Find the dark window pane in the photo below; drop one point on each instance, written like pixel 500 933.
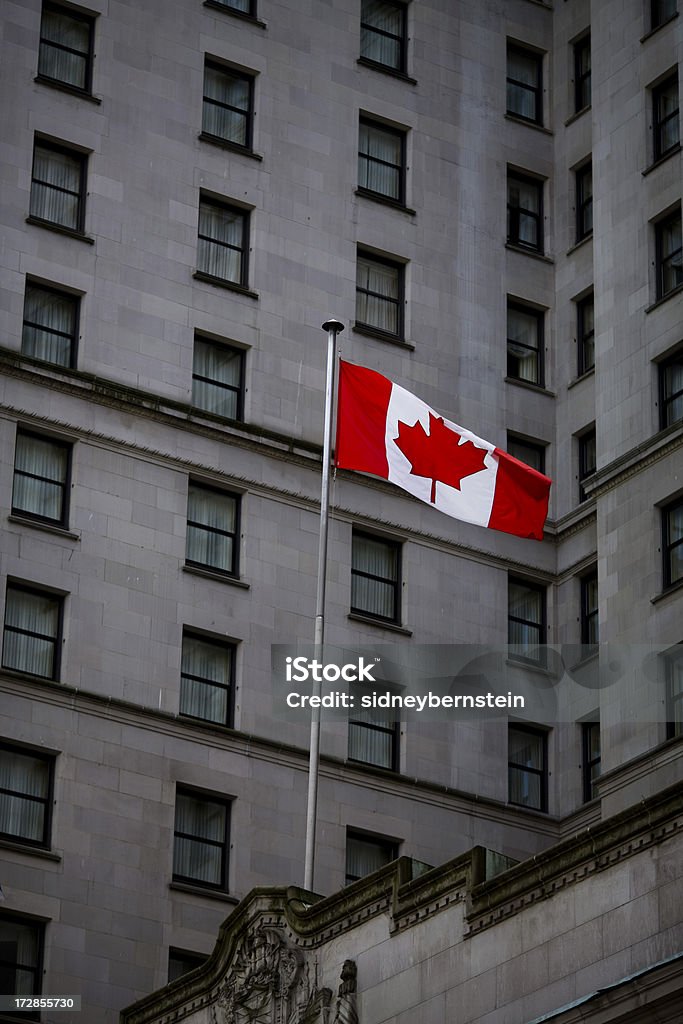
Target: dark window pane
pixel 217 378
pixel 374 577
pixel 383 33
pixel 40 475
pixel 56 186
pixel 524 95
pixel 32 623
pixel 65 53
pixel 220 249
pixel 379 295
pixel 212 528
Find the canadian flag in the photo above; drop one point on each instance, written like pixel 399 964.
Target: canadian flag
pixel 387 431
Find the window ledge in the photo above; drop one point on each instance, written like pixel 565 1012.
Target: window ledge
pixel 535 255
pixel 665 298
pixel 581 242
pixel 530 124
pixel 34 851
pixel 377 197
pixel 539 389
pixel 368 620
pixel 581 376
pixel 234 147
pixel 220 282
pixel 662 159
pixel 375 332
pixel 216 6
pixel 386 69
pixel 215 574
pixel 653 31
pixel 54 83
pixel 576 115
pixel 530 666
pixel 675 588
pixel 201 890
pixel 61 531
pixel 534 811
pixel 60 229
pixel 15 673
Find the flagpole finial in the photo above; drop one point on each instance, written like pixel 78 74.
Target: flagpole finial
pixel 333 325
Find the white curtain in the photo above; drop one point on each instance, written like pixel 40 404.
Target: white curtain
pixel 19 947
pixel 673 385
pixel 363 857
pixel 27 614
pixel 377 295
pixel 379 560
pixel 672 262
pixel 199 858
pixel 39 474
pixel 525 750
pixel 60 64
pixel 49 325
pixel 372 746
pixel 23 775
pixel 237 5
pixel 523 345
pixel 376 149
pixel 223 368
pixel 523 70
pixel 226 91
pixel 208 512
pixel 525 604
pixel 204 663
pixel 221 229
pixel 374 45
pixel 56 185
pixel 676 537
pixel 525 199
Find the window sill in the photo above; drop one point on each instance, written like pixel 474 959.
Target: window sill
pixel 386 69
pixel 534 253
pixel 528 810
pixel 61 531
pixel 201 890
pixel 60 230
pixel 662 159
pixel 653 31
pixel 73 90
pixel 375 332
pixel 675 588
pixel 664 298
pixel 581 376
pixel 215 6
pixel 539 389
pixel 529 666
pixel 581 242
pixel 15 673
pixel 377 197
pixel 368 620
pixel 220 282
pixel 234 147
pixel 34 851
pixel 215 574
pixel 577 114
pixel 529 124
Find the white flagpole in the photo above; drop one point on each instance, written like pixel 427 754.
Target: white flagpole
pixel 333 328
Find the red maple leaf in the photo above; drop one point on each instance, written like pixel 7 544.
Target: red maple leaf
pixel 438 454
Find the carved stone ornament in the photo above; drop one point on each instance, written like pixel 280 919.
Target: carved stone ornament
pixel 347 1008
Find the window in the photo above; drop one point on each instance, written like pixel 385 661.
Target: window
pixel 528 452
pixel 585 329
pixel 21 958
pixel 33 623
pixel 587 460
pixel 528 767
pixel 662 11
pixel 671 390
pixel 665 125
pixel 218 378
pixel 672 528
pixel 50 325
pixel 200 839
pixel 222 247
pixel 25 795
pixel 383 33
pixel 526 620
pixel 582 74
pixel 525 212
pixel 41 475
pixel 584 202
pixel 212 529
pixel 381 160
pixel 58 186
pixel 525 344
pixel 375 576
pixel 590 736
pixel 373 735
pixel 66 47
pixel 247 7
pixel 674 695
pixel 206 680
pixel 365 854
pixel 228 105
pixel 590 625
pixel 668 254
pixel 524 84
pixel 180 962
pixel 379 295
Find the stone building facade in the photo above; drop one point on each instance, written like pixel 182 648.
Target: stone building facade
pixel 488 197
